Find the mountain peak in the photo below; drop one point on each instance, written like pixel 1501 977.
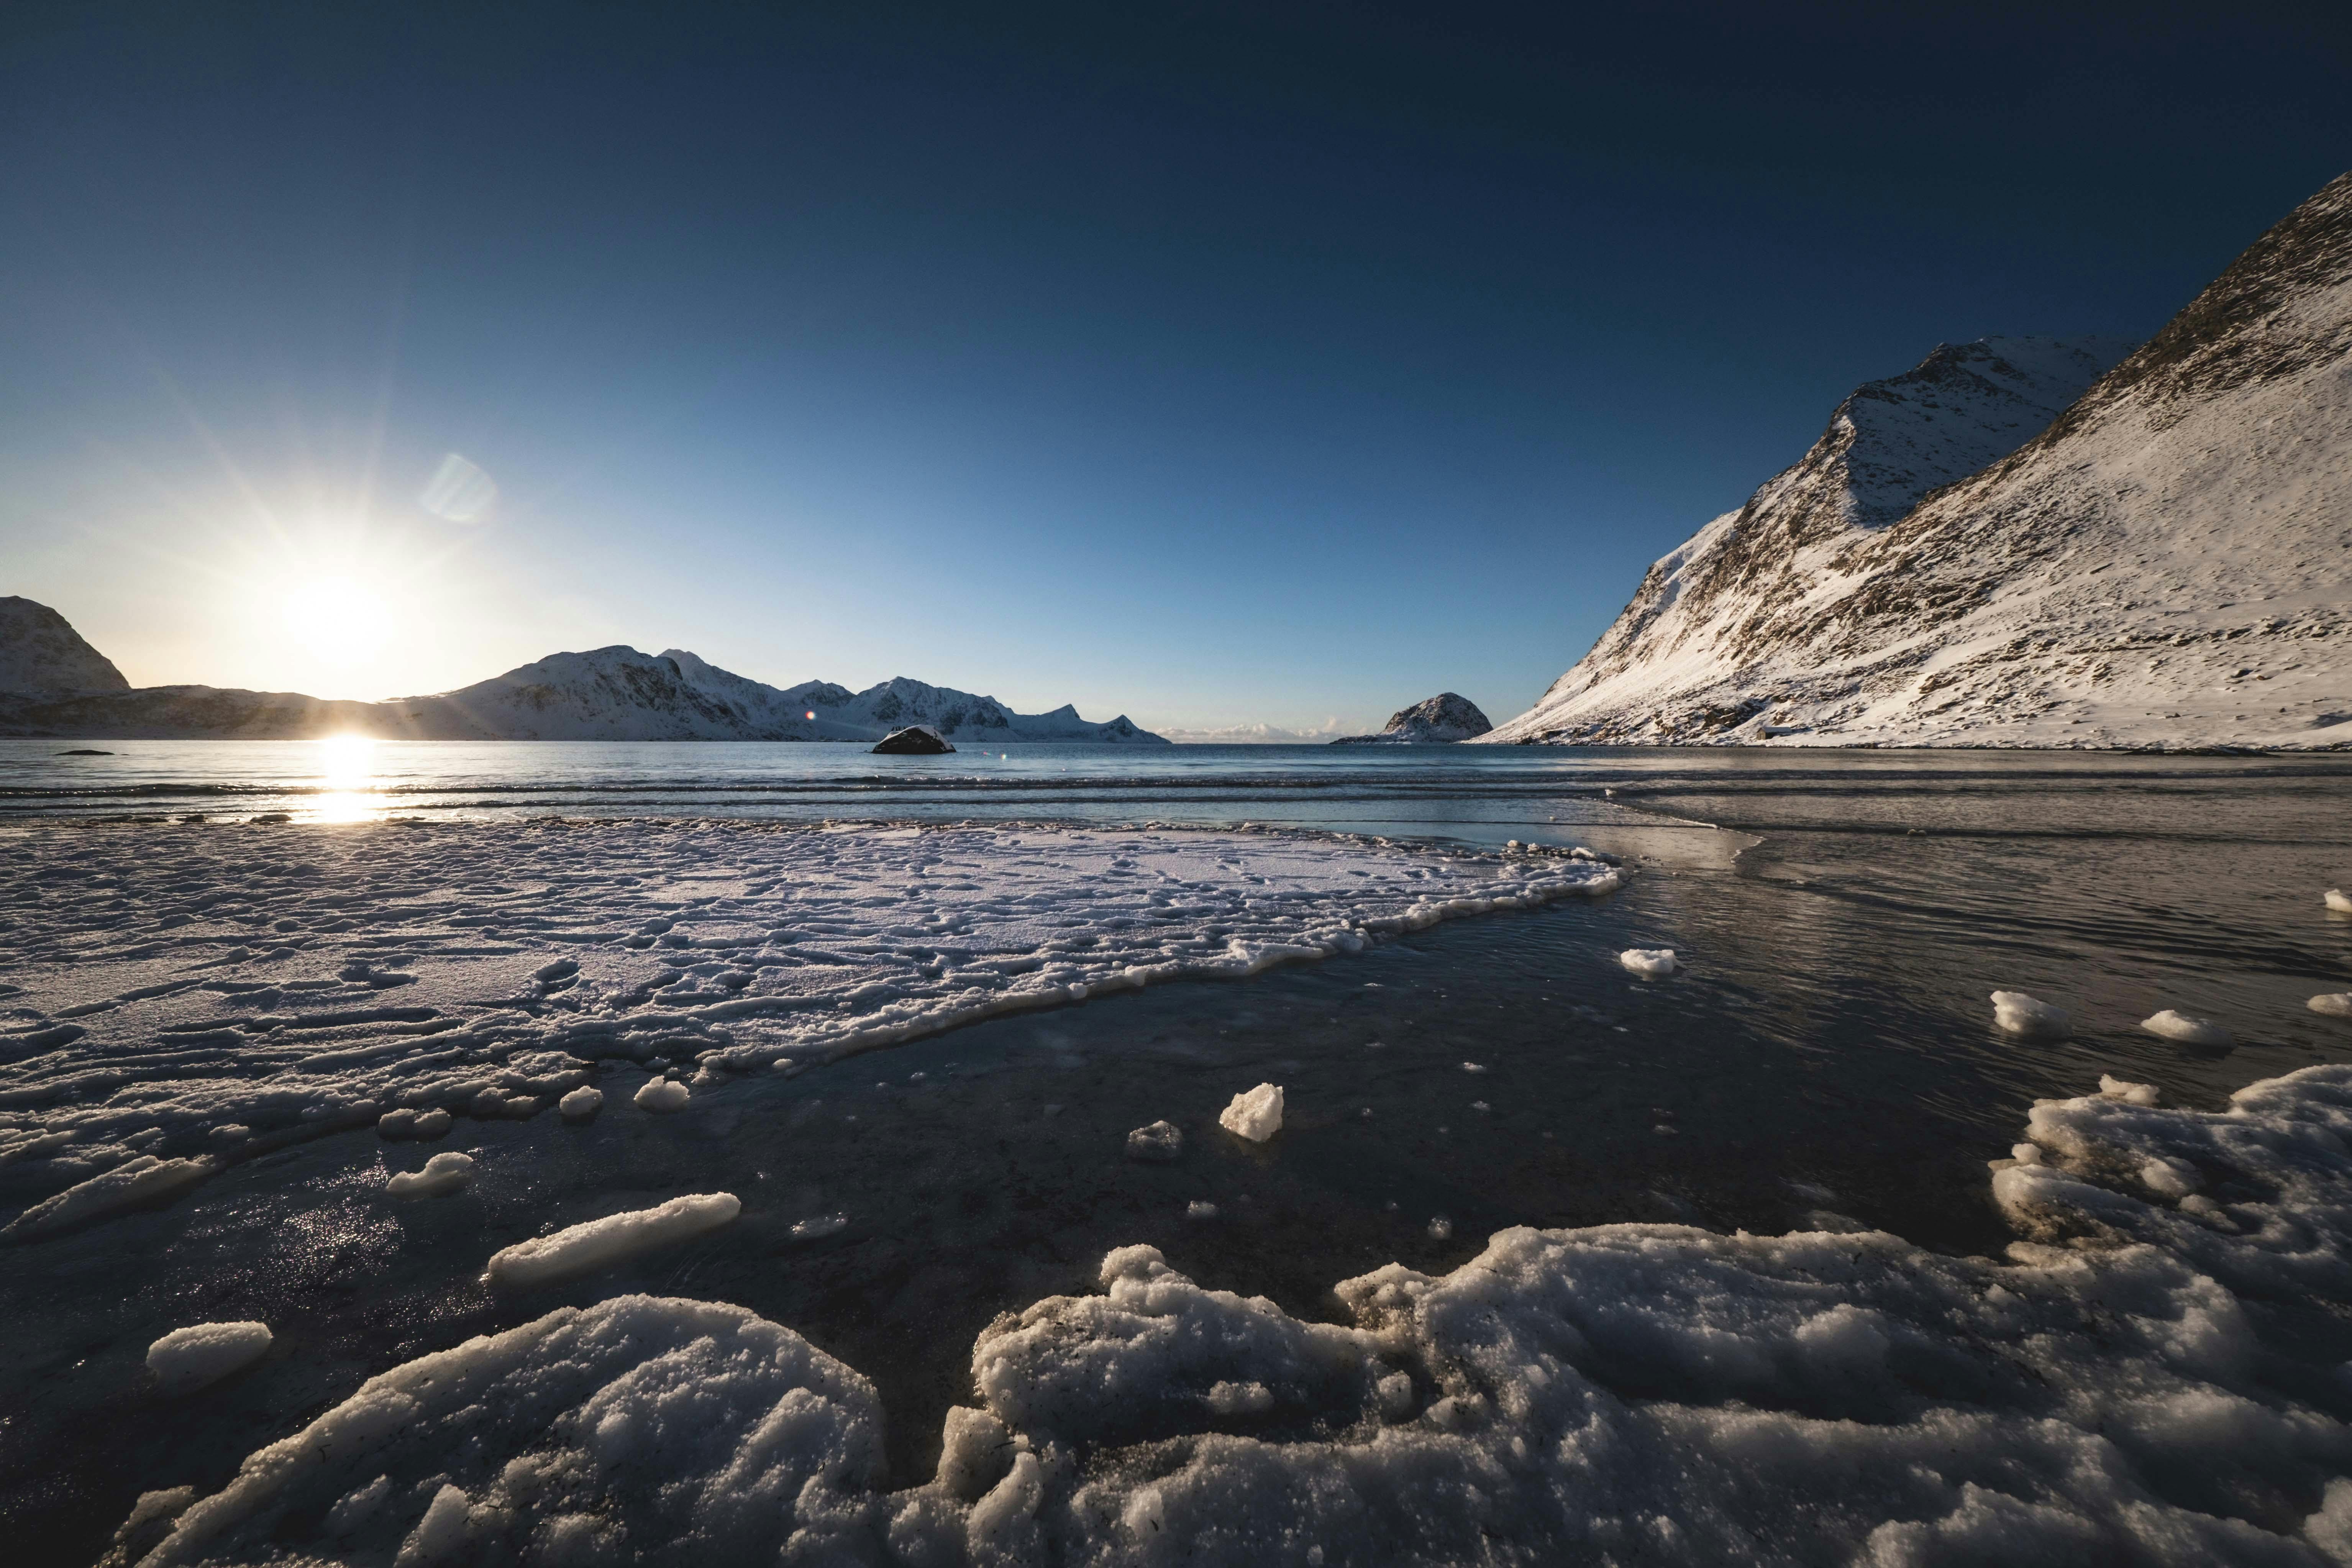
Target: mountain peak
pixel 42 654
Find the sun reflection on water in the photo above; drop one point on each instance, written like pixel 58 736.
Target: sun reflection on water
pixel 347 774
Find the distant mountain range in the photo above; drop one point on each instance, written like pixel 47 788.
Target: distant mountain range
pixel 2022 542
pixel 52 683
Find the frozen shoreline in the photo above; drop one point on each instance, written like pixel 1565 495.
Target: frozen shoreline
pixel 2116 1388
pixel 195 995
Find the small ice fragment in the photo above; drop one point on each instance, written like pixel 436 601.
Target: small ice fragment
pixel 2340 900
pixel 1650 962
pixel 2189 1031
pixel 2126 1091
pixel 1474 1067
pixel 442 1173
pixel 190 1358
pixel 1441 1229
pixel 1480 1105
pixel 1199 1209
pixel 597 1242
pixel 2170 1178
pixel 394 1125
pixel 2026 1153
pixel 2019 1014
pixel 581 1104
pixel 662 1095
pixel 822 1225
pixel 1255 1115
pixel 1161 1141
pixel 431 1124
pixel 2335 1004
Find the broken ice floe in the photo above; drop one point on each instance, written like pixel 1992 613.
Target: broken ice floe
pixel 2340 900
pixel 1162 1141
pixel 1254 1114
pixel 1650 962
pixel 663 1095
pixel 599 1242
pixel 2188 1031
pixel 2335 1004
pixel 190 1358
pixel 442 1174
pixel 275 988
pixel 2019 1014
pixel 1652 1392
pixel 581 1104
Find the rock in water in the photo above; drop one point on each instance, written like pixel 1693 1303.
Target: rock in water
pixel 42 654
pixel 2015 544
pixel 1448 716
pixel 914 741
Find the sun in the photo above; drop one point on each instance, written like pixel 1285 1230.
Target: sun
pixel 337 620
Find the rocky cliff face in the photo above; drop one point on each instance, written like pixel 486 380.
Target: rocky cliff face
pixel 41 653
pixel 1448 716
pixel 2164 565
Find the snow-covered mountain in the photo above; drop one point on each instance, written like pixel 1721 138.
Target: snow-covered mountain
pixel 620 694
pixel 2168 563
pixel 606 694
pixel 1448 716
pixel 41 653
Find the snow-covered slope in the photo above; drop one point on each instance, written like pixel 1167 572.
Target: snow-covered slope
pixel 606 694
pixel 41 653
pixel 2168 563
pixel 1448 716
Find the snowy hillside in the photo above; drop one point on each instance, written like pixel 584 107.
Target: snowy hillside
pixel 40 652
pixel 607 694
pixel 2166 564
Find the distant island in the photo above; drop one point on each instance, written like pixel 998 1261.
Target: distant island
pixel 53 684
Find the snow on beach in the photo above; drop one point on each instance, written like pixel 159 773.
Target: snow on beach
pixel 2130 1383
pixel 184 997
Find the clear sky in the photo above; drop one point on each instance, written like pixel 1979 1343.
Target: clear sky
pixel 1226 365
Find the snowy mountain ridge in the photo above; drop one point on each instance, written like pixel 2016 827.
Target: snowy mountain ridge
pixel 605 694
pixel 41 653
pixel 2161 564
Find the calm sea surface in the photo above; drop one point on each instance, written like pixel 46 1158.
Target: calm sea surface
pixel 1828 1051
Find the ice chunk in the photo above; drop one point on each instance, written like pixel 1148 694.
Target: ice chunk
pixel 1200 1208
pixel 1239 1398
pixel 190 1358
pixel 1161 1141
pixel 2169 1177
pixel 1254 1114
pixel 442 1173
pixel 581 1104
pixel 2189 1031
pixel 394 1125
pixel 580 1247
pixel 2335 1004
pixel 431 1124
pixel 633 1429
pixel 2340 900
pixel 662 1094
pixel 2020 1014
pixel 1650 962
pixel 2130 1093
pixel 1441 1229
pixel 142 1180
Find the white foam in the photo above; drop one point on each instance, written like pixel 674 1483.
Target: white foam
pixel 600 1242
pixel 662 1095
pixel 2020 1014
pixel 442 1174
pixel 1254 1114
pixel 2189 1031
pixel 190 1358
pixel 1650 962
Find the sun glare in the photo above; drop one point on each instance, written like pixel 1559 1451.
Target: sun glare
pixel 338 620
pixel 347 777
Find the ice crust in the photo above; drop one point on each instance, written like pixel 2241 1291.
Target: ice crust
pixel 2017 1014
pixel 597 1242
pixel 187 1359
pixel 2109 1391
pixel 194 996
pixel 1254 1114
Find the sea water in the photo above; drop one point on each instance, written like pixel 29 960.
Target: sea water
pixel 1826 1058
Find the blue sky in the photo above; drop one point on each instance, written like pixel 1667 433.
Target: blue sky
pixel 1222 366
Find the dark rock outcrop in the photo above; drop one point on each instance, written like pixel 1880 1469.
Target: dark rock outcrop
pixel 1446 717
pixel 914 741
